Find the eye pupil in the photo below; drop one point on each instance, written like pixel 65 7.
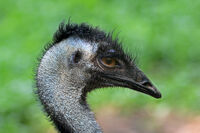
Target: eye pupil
pixel 109 61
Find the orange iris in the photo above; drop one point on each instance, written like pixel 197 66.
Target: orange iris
pixel 109 62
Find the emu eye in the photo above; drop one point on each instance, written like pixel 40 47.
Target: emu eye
pixel 109 62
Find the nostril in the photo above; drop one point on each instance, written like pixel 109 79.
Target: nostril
pixel 147 84
pixel 150 88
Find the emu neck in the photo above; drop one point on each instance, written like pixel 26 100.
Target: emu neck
pixel 60 92
pixel 69 113
pixel 67 110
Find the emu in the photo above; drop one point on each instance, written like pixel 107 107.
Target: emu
pixel 80 59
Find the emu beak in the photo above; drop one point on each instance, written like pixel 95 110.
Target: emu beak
pixel 136 81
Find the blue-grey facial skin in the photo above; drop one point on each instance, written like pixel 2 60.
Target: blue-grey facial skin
pixel 60 83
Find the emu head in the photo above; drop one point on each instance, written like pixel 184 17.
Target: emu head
pixel 80 59
pixel 84 56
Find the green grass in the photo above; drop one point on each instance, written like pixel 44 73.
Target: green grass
pixel 164 35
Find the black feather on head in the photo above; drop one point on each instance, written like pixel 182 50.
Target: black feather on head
pixel 91 34
pixel 83 31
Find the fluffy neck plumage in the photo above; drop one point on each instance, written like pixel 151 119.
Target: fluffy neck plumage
pixel 68 112
pixel 60 93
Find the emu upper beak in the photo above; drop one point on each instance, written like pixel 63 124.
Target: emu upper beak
pixel 137 81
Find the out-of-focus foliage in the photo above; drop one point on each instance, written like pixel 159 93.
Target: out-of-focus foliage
pixel 164 35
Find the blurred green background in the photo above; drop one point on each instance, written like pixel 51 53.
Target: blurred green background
pixel 164 35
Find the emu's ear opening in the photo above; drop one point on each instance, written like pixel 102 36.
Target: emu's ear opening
pixel 76 57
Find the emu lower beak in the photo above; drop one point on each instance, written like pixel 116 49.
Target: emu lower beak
pixel 144 86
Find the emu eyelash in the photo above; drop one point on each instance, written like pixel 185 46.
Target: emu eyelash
pixel 114 55
pixel 118 57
